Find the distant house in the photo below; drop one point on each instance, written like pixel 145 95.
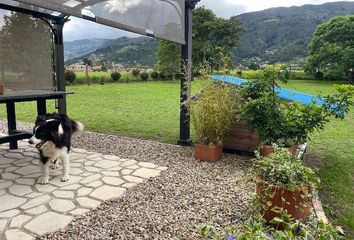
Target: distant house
pixel 78 68
pixel 118 68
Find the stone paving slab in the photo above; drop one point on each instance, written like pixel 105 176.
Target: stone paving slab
pixel 28 209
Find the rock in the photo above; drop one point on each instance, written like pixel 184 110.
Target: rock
pixel 146 173
pixel 48 222
pixel 61 205
pixel 9 202
pixel 36 201
pixel 115 181
pixel 107 192
pixel 15 234
pixel 17 221
pixel 20 190
pixel 88 202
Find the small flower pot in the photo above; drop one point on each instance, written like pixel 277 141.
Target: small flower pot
pixel 267 150
pixel 1 89
pixel 297 203
pixel 208 153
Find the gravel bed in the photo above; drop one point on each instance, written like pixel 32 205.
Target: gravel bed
pixel 172 206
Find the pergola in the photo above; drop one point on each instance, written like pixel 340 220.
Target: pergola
pixel 164 19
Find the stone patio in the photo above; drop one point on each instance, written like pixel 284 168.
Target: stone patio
pixel 28 209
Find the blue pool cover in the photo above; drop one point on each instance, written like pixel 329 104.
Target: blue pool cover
pixel 282 92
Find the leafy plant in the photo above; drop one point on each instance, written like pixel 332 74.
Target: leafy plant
pixel 144 76
pixel 154 75
pixel 283 170
pixel 116 76
pixel 289 123
pixel 255 228
pixel 70 76
pixel 136 73
pixel 213 112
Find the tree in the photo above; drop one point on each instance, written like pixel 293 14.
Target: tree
pixel 87 63
pixel 331 50
pixel 168 58
pixel 213 39
pixel 212 35
pixel 25 51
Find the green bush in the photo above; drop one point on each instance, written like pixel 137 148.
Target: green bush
pixel 281 169
pixel 70 76
pixel 103 80
pixel 214 112
pixel 136 73
pixel 144 76
pixel 253 74
pixel 116 76
pixel 300 75
pixel 162 76
pixel 154 75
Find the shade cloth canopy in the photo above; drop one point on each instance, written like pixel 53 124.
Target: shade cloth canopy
pixel 159 18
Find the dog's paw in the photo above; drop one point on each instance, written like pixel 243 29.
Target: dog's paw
pixel 65 178
pixel 43 180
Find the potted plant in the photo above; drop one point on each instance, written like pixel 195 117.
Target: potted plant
pixel 285 183
pixel 288 124
pixel 213 113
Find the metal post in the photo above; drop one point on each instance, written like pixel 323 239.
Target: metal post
pixel 59 62
pixel 186 76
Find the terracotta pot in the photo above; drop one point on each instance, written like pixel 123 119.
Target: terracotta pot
pixel 297 203
pixel 1 89
pixel 266 150
pixel 208 153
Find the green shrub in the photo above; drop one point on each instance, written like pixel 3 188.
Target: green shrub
pixel 281 169
pixel 144 76
pixel 256 228
pixel 154 75
pixel 116 76
pixel 136 73
pixel 214 112
pixel 103 80
pixel 162 76
pixel 70 76
pixel 300 75
pixel 253 74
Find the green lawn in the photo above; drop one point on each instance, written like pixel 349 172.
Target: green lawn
pixel 151 110
pixel 147 110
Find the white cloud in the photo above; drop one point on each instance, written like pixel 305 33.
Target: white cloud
pixel 80 29
pixel 228 8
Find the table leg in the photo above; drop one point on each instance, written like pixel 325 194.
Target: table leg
pixel 11 122
pixel 41 107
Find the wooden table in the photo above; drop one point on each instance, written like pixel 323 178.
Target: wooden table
pixel 11 97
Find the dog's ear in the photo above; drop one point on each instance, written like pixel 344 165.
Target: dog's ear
pixel 56 126
pixel 40 118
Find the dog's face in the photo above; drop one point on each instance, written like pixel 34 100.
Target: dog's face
pixel 45 131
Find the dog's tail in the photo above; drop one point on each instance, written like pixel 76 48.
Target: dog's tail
pixel 76 126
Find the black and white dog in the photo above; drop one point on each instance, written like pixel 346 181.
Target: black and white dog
pixel 52 136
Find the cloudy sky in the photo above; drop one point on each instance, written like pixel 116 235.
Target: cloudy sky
pixel 81 29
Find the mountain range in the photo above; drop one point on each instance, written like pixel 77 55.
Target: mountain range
pixel 282 34
pixel 126 51
pixel 272 35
